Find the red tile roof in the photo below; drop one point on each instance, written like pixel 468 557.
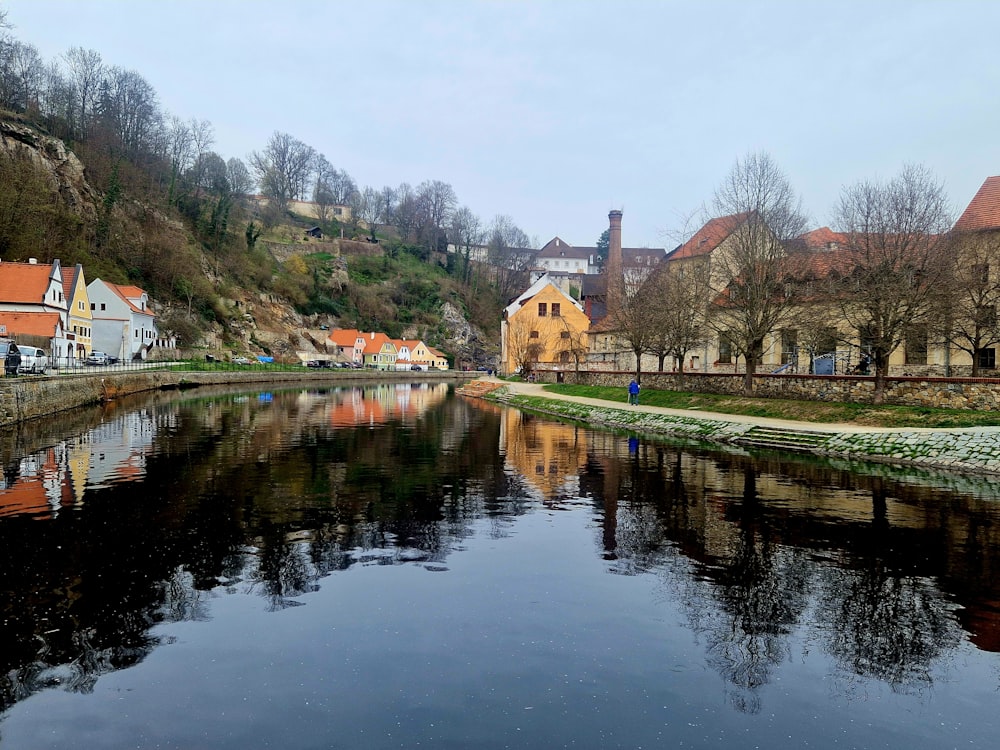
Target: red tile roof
pixel 823 238
pixel 127 292
pixel 24 282
pixel 709 237
pixel 344 336
pixel 30 323
pixel 375 341
pixel 984 210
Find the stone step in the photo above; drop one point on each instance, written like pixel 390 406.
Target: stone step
pixel 781 438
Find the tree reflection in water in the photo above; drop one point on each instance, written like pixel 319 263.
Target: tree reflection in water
pixel 238 495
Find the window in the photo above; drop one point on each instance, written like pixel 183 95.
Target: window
pixel 534 335
pixel 987 359
pixel 80 305
pixel 986 316
pixel 564 335
pixel 93 306
pixel 543 309
pixel 725 348
pixel 564 357
pixel 104 306
pixel 789 345
pixel 916 346
pixel 555 309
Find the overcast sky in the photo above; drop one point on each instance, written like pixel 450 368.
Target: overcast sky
pixel 555 112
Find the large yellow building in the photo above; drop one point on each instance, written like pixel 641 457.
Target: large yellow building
pixel 543 327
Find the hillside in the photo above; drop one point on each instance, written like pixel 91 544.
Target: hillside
pixel 227 275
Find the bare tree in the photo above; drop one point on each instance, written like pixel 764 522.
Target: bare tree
pixel 86 71
pixel 342 187
pixel 525 345
pixel 572 343
pixel 180 152
pixel 436 200
pixel 970 321
pixel 465 232
pixel 633 318
pixel 749 272
pixel 240 180
pixel 283 168
pixel 405 216
pixel 21 75
pixel 898 260
pixel 322 190
pixel 368 208
pixel 509 255
pixel 680 325
pixel 129 111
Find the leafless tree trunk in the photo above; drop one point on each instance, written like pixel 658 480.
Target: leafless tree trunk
pixel 750 275
pixel 634 317
pixel 970 321
pixel 283 168
pixel 899 260
pixel 86 72
pixel 680 293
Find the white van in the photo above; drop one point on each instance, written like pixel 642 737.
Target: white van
pixel 33 360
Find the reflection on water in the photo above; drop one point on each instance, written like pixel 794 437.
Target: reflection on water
pixel 122 529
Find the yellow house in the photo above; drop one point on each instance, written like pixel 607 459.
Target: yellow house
pixel 543 327
pixel 79 323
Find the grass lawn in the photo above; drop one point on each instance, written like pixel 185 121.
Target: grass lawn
pixel 803 411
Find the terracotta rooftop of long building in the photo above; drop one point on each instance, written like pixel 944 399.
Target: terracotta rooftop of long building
pixel 983 212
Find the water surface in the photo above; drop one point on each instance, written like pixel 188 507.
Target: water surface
pixel 394 566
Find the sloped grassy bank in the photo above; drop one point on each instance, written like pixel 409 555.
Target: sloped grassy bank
pixel 967 449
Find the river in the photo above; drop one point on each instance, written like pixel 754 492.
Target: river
pixel 398 567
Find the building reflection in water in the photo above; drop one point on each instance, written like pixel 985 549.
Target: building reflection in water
pixel 146 513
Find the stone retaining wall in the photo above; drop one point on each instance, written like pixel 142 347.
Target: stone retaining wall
pixel 31 397
pixel 950 393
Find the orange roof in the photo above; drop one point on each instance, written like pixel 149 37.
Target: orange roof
pixel 31 323
pixel 984 210
pixel 24 282
pixel 375 341
pixel 709 237
pixel 69 281
pixel 124 292
pixel 823 238
pixel 344 336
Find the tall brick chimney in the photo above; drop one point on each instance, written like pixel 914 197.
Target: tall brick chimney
pixel 613 266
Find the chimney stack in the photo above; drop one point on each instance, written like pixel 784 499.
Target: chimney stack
pixel 613 267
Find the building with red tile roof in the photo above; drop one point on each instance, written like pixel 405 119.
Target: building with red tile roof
pixel 380 352
pixel 983 211
pixel 30 294
pixel 79 323
pixel 124 325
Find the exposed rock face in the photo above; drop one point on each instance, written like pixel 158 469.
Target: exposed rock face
pixel 471 347
pixel 58 163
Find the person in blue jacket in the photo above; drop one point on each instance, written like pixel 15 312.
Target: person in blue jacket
pixel 633 392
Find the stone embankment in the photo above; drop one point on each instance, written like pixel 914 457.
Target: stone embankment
pixel 27 398
pixel 969 449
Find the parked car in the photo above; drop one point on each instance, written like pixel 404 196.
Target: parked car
pixel 416 368
pixel 97 358
pixel 11 357
pixel 241 361
pixel 33 360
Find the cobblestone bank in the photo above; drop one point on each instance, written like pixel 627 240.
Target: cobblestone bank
pixel 973 449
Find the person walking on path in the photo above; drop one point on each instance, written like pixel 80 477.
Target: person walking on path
pixel 633 393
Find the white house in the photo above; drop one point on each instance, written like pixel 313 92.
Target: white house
pixel 124 325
